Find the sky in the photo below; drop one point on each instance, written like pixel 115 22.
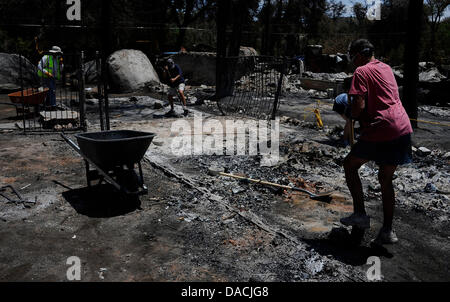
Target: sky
pixel 350 3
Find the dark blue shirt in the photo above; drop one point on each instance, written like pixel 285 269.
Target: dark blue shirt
pixel 173 72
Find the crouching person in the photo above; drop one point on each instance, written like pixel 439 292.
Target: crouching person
pixel 341 105
pixel 385 135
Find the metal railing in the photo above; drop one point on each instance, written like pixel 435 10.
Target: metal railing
pixel 257 87
pixel 51 100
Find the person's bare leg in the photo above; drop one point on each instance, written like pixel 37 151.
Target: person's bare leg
pixel 385 175
pixel 171 102
pixel 183 98
pixel 351 167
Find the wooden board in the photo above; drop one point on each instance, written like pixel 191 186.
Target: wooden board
pixel 321 85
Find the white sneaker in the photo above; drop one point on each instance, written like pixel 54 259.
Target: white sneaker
pixel 359 220
pixel 386 236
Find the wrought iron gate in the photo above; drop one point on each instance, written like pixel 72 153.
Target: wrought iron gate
pixel 257 86
pixel 51 97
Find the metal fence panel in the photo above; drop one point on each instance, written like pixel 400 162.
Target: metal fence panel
pixel 54 100
pixel 257 87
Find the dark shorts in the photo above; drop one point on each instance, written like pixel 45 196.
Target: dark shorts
pixel 395 152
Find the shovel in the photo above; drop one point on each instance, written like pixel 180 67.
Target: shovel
pixel 320 196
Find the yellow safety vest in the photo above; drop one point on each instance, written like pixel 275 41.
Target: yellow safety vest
pixel 51 62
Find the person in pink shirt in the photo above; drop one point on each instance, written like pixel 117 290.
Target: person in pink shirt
pixel 385 135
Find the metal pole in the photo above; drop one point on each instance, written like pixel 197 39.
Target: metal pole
pixel 99 89
pixel 21 93
pixel 82 94
pixel 277 94
pixel 411 60
pixel 105 94
pixel 106 37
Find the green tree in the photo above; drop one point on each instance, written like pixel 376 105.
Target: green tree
pixel 434 10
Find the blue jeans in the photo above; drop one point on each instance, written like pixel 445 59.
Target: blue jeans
pixel 341 105
pixel 50 83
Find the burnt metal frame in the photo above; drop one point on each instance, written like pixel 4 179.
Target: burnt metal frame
pixel 245 100
pixel 30 125
pixel 20 200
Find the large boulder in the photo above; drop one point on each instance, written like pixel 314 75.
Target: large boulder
pixel 200 67
pixel 245 51
pixel 130 70
pixel 11 65
pixel 432 75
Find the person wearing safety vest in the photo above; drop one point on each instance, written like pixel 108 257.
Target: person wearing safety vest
pixel 49 70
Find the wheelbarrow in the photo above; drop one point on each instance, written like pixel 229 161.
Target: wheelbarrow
pixel 30 97
pixel 113 155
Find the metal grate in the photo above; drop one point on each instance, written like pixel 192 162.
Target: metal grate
pixel 257 87
pixel 37 110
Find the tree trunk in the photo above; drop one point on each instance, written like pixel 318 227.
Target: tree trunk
pixel 228 50
pixel 266 39
pixel 222 14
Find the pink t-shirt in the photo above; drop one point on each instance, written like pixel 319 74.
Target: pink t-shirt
pixel 384 117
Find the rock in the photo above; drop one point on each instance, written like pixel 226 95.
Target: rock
pixel 415 176
pixel 269 160
pixel 131 70
pixel 158 105
pixel 374 188
pixel 432 75
pixel 422 151
pixel 10 72
pixel 91 92
pixel 398 73
pixel 326 76
pixel 430 188
pixel 90 72
pixel 157 142
pixel 237 190
pixel 214 170
pixel 192 100
pixel 425 65
pixel 245 51
pixel 446 155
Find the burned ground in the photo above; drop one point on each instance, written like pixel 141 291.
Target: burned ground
pixel 193 226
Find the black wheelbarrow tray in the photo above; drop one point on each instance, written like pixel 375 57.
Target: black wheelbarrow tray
pixel 114 154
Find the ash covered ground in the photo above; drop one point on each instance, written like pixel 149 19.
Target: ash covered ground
pixel 194 226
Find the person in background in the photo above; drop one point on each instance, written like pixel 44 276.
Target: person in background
pixel 49 70
pixel 385 135
pixel 341 105
pixel 176 83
